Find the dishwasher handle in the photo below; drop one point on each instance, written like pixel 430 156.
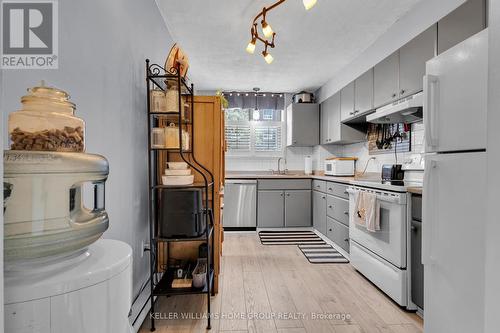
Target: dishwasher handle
pixel 241 181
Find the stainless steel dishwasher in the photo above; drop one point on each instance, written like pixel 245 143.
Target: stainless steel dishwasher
pixel 240 204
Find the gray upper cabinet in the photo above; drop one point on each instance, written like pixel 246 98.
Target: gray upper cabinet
pixel 302 124
pixel 460 24
pixel 270 209
pixel 330 108
pixel 332 129
pixel 363 92
pixel 385 78
pixel 319 211
pixel 297 208
pixel 324 122
pixel 412 59
pixel 347 102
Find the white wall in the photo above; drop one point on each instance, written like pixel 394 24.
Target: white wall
pixel 360 150
pixel 492 287
pixel 103 46
pixel 421 17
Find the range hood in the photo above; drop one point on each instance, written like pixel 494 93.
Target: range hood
pixel 407 110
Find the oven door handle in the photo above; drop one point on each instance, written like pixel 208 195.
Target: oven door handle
pixel 379 197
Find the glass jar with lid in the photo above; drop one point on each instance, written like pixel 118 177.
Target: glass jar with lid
pixel 46 122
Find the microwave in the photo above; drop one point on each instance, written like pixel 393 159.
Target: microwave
pixel 340 167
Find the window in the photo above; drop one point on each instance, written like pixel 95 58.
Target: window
pixel 251 132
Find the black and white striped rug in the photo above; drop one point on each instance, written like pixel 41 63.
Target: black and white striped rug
pixel 289 238
pixel 322 254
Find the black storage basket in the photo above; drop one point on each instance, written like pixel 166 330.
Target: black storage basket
pixel 181 213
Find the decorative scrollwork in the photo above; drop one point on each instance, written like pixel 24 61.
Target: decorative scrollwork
pixel 157 70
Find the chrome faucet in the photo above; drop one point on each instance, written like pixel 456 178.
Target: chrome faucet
pixel 279 170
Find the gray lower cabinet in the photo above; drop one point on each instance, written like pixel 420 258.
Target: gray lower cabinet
pixel 460 24
pixel 297 208
pixel 385 77
pixel 270 209
pixel 319 211
pixel 338 233
pixel 338 209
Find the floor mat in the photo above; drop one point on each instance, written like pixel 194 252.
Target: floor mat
pixel 289 238
pixel 322 254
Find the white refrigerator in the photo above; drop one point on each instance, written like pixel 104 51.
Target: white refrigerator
pixel 454 205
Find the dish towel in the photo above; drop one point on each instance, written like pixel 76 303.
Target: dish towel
pixel 367 211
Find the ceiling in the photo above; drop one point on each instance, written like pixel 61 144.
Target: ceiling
pixel 311 46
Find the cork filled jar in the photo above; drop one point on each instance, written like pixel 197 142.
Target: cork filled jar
pixel 46 122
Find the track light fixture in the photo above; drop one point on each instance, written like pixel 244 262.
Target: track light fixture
pixel 267 30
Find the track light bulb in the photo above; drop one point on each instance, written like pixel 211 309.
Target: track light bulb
pixel 251 46
pixel 268 57
pixel 267 30
pixel 308 4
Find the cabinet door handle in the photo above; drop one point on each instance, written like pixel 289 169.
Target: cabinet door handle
pixel 346 240
pixel 323 197
pixel 330 189
pixel 403 91
pixel 281 194
pixel 393 95
pixel 346 192
pixel 357 111
pixel 330 229
pixel 352 113
pixel 288 194
pixel 330 206
pixel 346 212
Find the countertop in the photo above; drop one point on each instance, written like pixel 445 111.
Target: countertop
pixel 367 180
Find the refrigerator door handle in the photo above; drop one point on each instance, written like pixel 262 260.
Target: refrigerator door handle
pixel 429 219
pixel 431 91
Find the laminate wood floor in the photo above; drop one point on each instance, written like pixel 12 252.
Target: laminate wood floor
pixel 278 290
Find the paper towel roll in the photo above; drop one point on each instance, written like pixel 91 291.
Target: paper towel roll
pixel 308 165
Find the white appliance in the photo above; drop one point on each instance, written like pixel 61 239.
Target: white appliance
pixel 85 293
pixel 340 166
pixel 454 209
pixel 381 256
pixel 406 110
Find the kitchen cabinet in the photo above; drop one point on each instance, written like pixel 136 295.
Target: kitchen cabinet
pixel 363 92
pixel 338 233
pixel 302 124
pixel 332 129
pixel 338 209
pixel 298 208
pixel 330 108
pixel 460 24
pixel 347 102
pixel 385 80
pixel 270 209
pixel 319 211
pixel 412 59
pixel 284 203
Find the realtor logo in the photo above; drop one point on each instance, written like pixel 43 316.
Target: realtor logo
pixel 29 34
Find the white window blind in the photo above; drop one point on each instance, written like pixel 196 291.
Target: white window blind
pixel 267 138
pixel 238 137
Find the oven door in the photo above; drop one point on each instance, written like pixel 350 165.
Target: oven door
pixel 390 241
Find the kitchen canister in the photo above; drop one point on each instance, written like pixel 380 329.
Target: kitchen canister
pixel 172 137
pixel 158 101
pixel 308 165
pixel 46 122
